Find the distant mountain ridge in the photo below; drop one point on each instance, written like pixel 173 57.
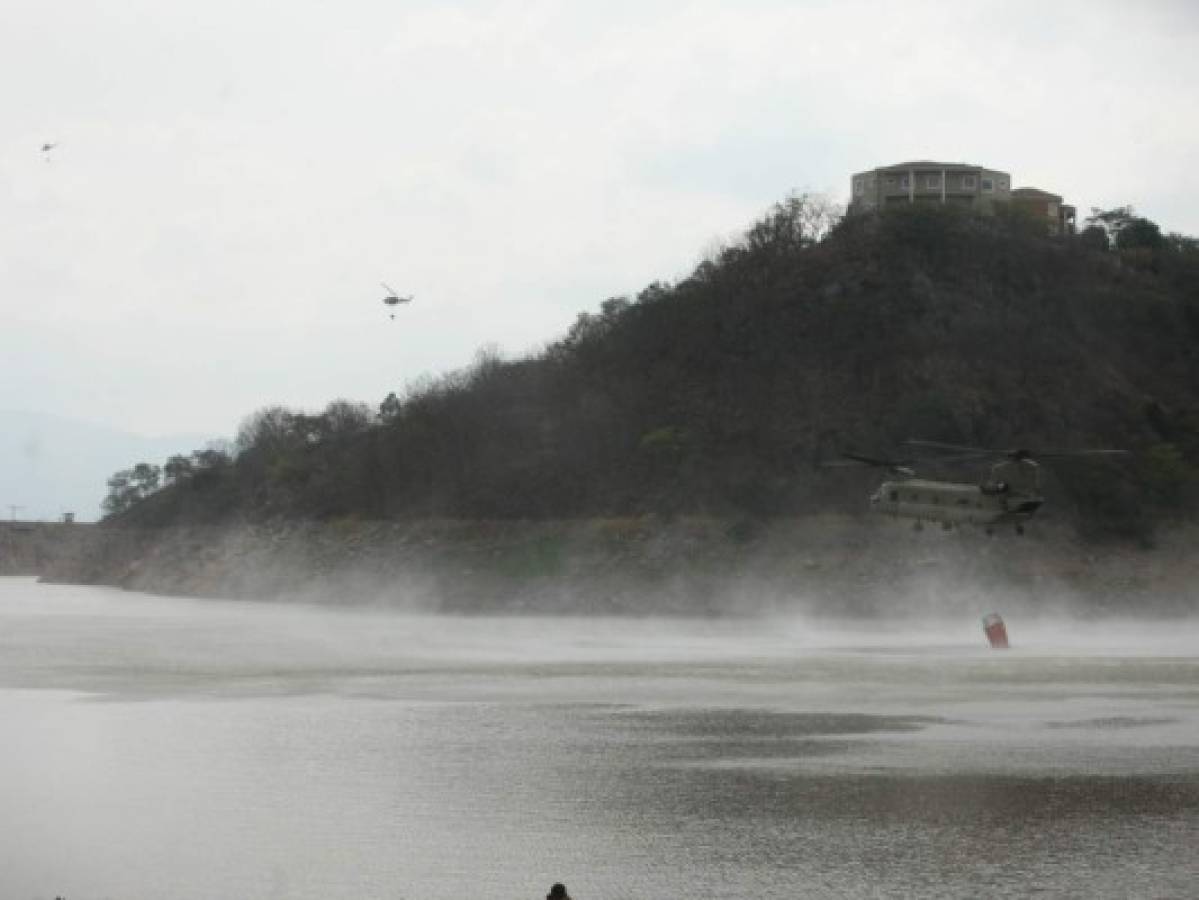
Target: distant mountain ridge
pixel 50 465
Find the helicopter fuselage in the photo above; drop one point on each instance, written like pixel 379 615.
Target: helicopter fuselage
pixel 956 503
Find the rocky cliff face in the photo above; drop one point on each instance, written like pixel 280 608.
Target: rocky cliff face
pixel 836 565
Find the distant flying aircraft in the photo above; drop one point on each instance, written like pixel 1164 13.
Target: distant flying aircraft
pixel 392 298
pixel 46 148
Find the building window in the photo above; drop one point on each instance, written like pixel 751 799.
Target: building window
pixel 1052 210
pixel 857 186
pixel 890 181
pixel 988 185
pixel 933 181
pixel 1003 184
pixel 903 181
pixel 968 182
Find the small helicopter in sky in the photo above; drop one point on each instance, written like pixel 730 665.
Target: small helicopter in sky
pixel 393 299
pixel 1010 495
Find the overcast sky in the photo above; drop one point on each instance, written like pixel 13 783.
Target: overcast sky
pixel 235 177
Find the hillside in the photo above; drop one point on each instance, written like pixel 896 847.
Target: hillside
pixel 715 395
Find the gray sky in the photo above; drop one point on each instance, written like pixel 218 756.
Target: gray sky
pixel 235 177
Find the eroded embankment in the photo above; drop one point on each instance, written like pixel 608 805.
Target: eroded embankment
pixel 689 566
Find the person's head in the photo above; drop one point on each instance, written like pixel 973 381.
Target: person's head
pixel 557 892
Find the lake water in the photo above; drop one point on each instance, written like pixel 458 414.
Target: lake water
pixel 163 748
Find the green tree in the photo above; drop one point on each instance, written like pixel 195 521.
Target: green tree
pixel 270 429
pixel 1125 230
pixel 120 495
pixel 1094 237
pixel 391 408
pixel 345 417
pixel 176 468
pixel 1140 233
pixel 129 486
pixel 214 456
pixel 1110 221
pixel 147 477
pixel 798 221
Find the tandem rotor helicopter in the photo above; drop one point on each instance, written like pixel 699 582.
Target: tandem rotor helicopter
pixel 1009 496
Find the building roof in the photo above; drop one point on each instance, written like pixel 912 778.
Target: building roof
pixel 935 164
pixel 932 164
pixel 926 163
pixel 1035 193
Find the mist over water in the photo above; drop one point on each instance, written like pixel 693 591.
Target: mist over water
pixel 197 748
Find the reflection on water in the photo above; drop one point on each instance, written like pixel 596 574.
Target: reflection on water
pixel 191 749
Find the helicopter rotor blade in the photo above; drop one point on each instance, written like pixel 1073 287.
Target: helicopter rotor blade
pixel 857 460
pixel 387 287
pixel 875 460
pixel 963 453
pixel 1066 454
pixel 940 445
pixel 954 459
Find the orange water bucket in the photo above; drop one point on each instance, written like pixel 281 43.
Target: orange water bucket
pixel 996 631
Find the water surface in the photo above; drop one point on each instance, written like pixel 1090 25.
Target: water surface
pixel 157 747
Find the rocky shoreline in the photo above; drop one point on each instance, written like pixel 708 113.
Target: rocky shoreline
pixel 835 565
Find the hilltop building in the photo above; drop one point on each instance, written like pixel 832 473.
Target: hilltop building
pixel 958 184
pixel 926 181
pixel 1058 216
